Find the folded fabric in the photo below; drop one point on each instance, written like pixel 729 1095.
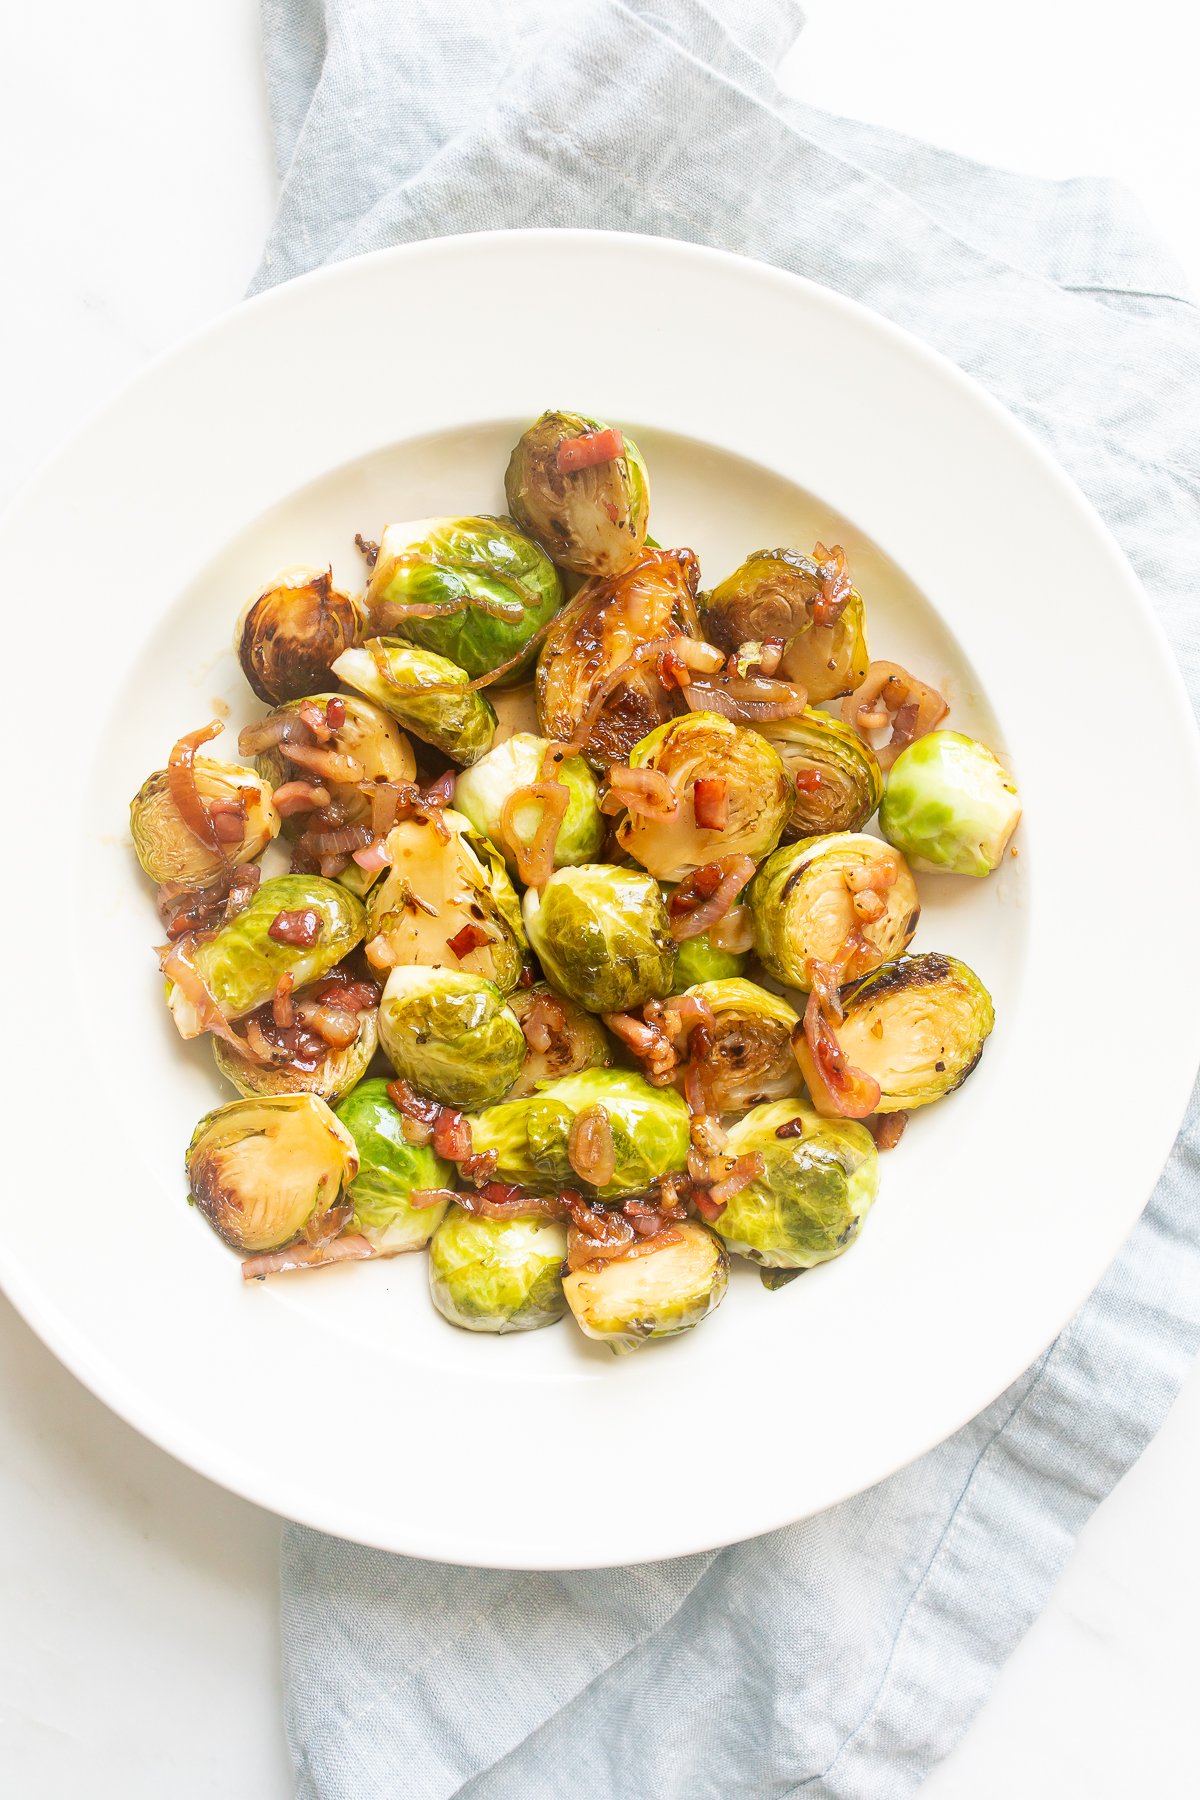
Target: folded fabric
pixel 842 1656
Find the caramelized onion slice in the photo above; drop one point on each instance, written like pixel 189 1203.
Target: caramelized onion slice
pixel 646 792
pixel 306 1256
pixel 535 859
pixel 707 895
pixel 838 1089
pixel 745 699
pixel 181 784
pixel 591 1151
pixel 889 694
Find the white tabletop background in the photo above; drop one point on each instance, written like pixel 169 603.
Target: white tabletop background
pixel 138 1644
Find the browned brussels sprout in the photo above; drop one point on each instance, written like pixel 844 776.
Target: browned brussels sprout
pixel 317 1040
pixel 597 675
pixel 265 1169
pixel 917 1027
pixel 581 489
pixel 751 1058
pixel 728 788
pixel 232 819
pixel 290 637
pixel 836 779
pixel 560 1039
pixel 625 1302
pixel 806 605
pixel 810 900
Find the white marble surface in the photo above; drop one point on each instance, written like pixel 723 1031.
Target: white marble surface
pixel 138 1653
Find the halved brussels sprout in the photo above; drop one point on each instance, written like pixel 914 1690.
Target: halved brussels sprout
pixel 649 1128
pixel 446 902
pixel 918 1026
pixel 803 905
pixel 596 636
pixel 751 1059
pixel 169 851
pixel 654 1295
pixel 323 1069
pixel 241 965
pixel 481 793
pixel 472 589
pixel 390 1169
pixel 589 514
pixel 699 959
pixel 395 674
pixel 732 790
pixel 772 596
pixel 497 1274
pixel 288 639
pixel 949 805
pixel 816 1190
pixel 263 1170
pixel 602 935
pixel 836 779
pixel 560 1038
pixel 450 1034
pixel 366 733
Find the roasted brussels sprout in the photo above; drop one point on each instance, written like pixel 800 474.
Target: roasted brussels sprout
pixel 532 1137
pixel 581 489
pixel 497 1274
pixel 474 590
pixel 808 898
pixel 166 847
pixel 450 1034
pixel 949 805
pixel 918 1027
pixel 397 675
pixel 284 748
pixel 446 902
pixel 298 1060
pixel 560 1038
pixel 602 936
pixel 264 1170
pixel 751 1059
pixel 836 780
pixel 731 790
pixel 699 959
pixel 297 925
pixel 820 1178
pixel 483 793
pixel 778 595
pixel 588 678
pixel 290 637
pixel 653 1295
pixel 390 1170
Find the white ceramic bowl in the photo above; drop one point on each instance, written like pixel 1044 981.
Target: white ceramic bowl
pixel 770 411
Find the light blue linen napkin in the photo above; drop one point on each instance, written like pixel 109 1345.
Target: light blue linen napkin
pixel 843 1656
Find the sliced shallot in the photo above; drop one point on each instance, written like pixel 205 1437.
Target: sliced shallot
pixel 307 1256
pixel 325 764
pixel 300 796
pixel 181 784
pixel 591 1151
pixel 647 793
pixel 746 699
pixel 707 895
pixel 535 858
pixel 888 693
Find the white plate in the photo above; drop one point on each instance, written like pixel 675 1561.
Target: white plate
pixel 770 411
